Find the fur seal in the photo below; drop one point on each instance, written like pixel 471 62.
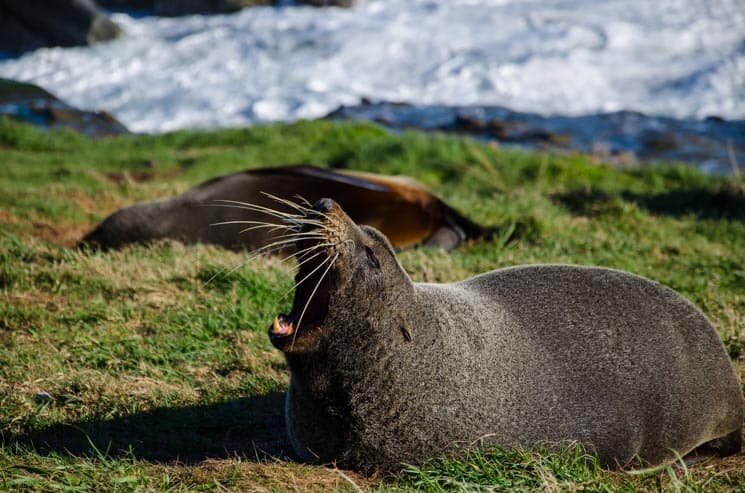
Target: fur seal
pixel 386 371
pixel 401 207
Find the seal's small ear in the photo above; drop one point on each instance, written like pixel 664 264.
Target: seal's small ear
pixel 405 330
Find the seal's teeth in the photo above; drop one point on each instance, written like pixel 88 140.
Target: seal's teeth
pixel 275 325
pixel 281 327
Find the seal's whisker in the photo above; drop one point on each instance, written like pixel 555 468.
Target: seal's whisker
pixel 295 255
pixel 295 240
pixel 243 207
pixel 271 230
pixel 305 261
pixel 299 227
pixel 275 247
pixel 304 252
pixel 289 241
pixel 307 303
pixel 294 205
pixel 315 231
pixel 307 215
pixel 256 208
pixel 309 258
pixel 212 278
pixel 259 227
pixel 268 250
pixel 304 235
pixel 305 220
pixel 303 238
pixel 254 255
pixel 225 272
pixel 225 223
pixel 308 276
pixel 300 197
pixel 275 212
pixel 305 211
pixel 231 204
pixel 290 224
pixel 276 243
pixel 309 249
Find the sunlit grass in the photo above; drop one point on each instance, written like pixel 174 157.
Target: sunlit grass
pixel 149 368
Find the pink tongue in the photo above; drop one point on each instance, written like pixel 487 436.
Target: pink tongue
pixel 282 326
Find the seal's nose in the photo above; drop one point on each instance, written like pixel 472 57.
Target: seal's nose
pixel 323 205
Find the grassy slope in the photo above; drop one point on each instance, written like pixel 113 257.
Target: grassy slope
pixel 160 380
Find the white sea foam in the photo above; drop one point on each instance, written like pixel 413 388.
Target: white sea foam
pixel 681 58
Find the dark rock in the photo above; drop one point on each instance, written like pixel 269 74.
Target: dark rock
pixel 467 123
pixel 15 37
pixel 30 24
pixel 127 4
pixel 656 141
pixel 503 130
pixel 328 3
pixel 191 7
pixel 536 136
pixel 33 104
pixel 624 138
pixel 498 128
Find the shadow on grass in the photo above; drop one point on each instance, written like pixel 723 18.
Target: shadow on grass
pixel 250 427
pixel 725 202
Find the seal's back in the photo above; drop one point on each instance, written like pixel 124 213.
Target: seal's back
pixel 607 358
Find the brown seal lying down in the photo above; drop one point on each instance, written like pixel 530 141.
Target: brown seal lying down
pixel 217 211
pixel 386 371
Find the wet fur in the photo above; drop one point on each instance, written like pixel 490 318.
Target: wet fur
pixel 399 372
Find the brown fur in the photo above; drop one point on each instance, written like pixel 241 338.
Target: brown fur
pixel 402 208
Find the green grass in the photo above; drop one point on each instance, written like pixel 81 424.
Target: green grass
pixel 127 370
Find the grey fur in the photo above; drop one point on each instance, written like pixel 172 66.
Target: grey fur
pixel 399 372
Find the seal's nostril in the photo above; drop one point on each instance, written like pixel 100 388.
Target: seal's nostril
pixel 323 205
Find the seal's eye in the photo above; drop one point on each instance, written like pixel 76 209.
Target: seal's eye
pixel 371 258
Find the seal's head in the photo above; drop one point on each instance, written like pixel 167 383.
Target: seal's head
pixel 346 272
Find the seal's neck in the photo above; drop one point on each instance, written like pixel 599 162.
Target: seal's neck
pixel 358 343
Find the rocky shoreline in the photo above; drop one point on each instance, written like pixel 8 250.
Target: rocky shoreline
pixel 623 138
pixel 32 104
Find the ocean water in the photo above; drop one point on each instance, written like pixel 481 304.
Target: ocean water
pixel 673 58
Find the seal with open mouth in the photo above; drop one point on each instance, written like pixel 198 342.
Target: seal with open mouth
pixel 386 371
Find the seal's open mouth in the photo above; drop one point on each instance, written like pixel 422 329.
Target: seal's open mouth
pixel 312 284
pixel 282 326
pixel 310 304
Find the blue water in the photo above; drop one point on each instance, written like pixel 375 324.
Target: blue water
pixel 678 58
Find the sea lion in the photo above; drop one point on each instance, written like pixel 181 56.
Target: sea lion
pixel 386 371
pixel 218 211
